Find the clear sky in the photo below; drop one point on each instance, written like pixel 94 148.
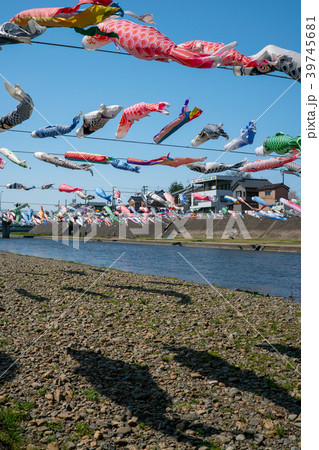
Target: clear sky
pixel 64 81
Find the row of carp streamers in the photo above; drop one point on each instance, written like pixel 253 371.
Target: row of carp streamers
pixel 166 209
pixel 144 42
pixel 281 143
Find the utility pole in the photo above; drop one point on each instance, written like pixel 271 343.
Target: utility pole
pixel 0 199
pixel 113 198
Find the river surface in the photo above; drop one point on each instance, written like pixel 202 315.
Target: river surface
pixel 274 273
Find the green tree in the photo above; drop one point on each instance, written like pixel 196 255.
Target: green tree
pixel 175 186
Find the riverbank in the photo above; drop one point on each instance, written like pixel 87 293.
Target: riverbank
pixel 232 244
pixel 108 359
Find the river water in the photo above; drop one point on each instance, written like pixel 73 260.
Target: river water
pixel 274 273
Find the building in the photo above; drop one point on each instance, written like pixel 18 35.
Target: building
pixel 136 201
pixel 272 193
pixel 254 187
pixel 214 186
pixel 247 188
pixel 98 206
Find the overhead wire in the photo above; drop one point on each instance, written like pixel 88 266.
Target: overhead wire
pixel 77 47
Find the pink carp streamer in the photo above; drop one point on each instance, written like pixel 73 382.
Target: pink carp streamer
pixel 201 197
pixel 270 163
pixel 118 196
pixel 170 200
pixel 291 204
pixel 137 112
pixel 67 188
pixel 148 43
pixel 2 163
pixel 225 54
pixel 92 157
pixel 149 162
pixel 176 161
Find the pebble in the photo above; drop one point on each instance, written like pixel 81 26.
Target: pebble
pixel 258 438
pixel 240 437
pixel 124 430
pixel 196 375
pixel 65 415
pixel 120 442
pixel 224 439
pixel 58 396
pixel 233 392
pixel 292 416
pixel 98 435
pixel 69 445
pixel 132 422
pixel 53 446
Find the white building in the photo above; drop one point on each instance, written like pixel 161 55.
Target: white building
pixel 214 186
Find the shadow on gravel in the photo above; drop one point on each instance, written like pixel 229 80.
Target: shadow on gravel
pixel 36 297
pixel 288 350
pixel 175 283
pixel 183 298
pixel 34 273
pixel 219 369
pixel 133 387
pixel 84 291
pixel 8 368
pixel 75 272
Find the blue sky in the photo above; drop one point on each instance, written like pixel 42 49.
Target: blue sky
pixel 64 81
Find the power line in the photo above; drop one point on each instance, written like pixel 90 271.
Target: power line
pixel 33 203
pixel 128 54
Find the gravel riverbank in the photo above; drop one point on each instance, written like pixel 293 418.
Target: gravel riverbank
pixel 96 358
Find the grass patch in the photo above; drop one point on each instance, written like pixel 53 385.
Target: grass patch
pixel 90 394
pixel 11 430
pixel 83 429
pixel 42 391
pixel 54 426
pixel 280 431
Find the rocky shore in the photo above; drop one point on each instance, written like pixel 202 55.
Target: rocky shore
pixel 93 358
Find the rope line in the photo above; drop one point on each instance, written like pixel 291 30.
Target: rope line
pixel 128 54
pixel 138 142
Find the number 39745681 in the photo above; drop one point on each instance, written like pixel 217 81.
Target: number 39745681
pixel 310 48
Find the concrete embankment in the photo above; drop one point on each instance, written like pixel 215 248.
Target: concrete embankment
pixel 227 233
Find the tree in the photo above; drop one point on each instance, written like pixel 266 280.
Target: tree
pixel 175 186
pixel 293 195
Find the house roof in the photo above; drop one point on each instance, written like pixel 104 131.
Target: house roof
pixel 251 183
pixel 96 203
pixel 273 186
pixel 136 198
